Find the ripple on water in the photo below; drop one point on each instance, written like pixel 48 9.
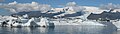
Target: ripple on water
pixel 60 30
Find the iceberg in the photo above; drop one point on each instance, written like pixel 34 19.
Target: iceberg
pixel 29 22
pixel 76 22
pixel 116 23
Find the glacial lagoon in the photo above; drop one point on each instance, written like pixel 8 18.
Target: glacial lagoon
pixel 65 29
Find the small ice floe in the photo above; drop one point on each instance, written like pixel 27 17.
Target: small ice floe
pixel 117 24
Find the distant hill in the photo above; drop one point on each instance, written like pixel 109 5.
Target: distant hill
pixel 105 15
pixel 37 14
pixel 74 14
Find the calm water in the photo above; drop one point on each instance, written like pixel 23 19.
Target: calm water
pixel 60 30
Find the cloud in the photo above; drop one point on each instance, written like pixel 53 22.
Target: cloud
pixel 2 0
pixel 74 6
pixel 19 7
pixel 71 4
pixel 34 6
pixel 110 6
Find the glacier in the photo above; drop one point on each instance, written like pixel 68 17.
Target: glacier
pixel 71 14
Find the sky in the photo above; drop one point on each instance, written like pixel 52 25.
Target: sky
pixel 60 3
pixel 57 3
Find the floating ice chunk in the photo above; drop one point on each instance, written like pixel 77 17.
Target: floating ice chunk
pixel 117 24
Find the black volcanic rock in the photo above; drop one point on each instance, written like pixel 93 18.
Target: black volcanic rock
pixel 73 15
pixel 37 14
pixel 105 15
pixel 20 13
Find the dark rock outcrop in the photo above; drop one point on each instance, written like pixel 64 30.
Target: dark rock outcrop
pixel 37 14
pixel 105 15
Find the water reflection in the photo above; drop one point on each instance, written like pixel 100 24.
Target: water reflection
pixel 84 30
pixel 60 30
